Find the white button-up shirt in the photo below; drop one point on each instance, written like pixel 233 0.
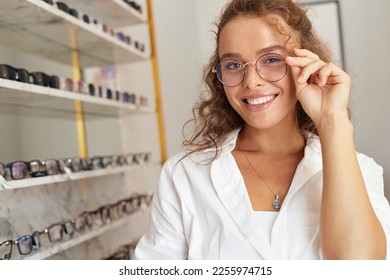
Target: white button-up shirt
pixel 201 210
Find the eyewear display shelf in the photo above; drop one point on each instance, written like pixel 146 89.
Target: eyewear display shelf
pixel 46 180
pixel 53 249
pixel 31 182
pixel 29 95
pixel 24 24
pixel 37 28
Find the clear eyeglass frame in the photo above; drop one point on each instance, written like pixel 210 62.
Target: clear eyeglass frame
pixel 271 67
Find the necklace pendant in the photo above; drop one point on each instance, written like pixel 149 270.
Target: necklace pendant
pixel 276 204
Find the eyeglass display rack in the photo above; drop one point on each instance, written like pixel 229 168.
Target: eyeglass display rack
pixel 51 41
pixel 30 95
pixel 53 249
pixel 45 180
pixel 37 28
pixel 36 21
pixel 119 14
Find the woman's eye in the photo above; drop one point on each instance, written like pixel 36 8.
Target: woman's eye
pixel 233 65
pixel 272 60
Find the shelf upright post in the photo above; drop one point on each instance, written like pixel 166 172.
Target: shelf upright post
pixel 79 108
pixel 156 78
pixel 81 131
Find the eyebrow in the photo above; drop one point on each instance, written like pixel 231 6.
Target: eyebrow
pixel 265 50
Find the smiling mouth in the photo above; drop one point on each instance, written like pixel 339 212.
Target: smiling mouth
pixel 260 100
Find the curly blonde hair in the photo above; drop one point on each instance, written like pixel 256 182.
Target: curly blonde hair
pixel 213 116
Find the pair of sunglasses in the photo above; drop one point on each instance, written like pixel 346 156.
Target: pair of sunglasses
pixel 16 74
pixel 63 7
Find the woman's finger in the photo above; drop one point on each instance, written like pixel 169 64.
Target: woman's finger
pixel 323 74
pixel 332 71
pixel 310 69
pixel 298 61
pixel 306 53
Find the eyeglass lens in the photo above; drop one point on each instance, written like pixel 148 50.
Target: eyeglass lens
pixel 6 250
pixel 55 232
pixel 2 169
pixel 26 243
pixel 52 166
pixel 80 222
pixel 271 67
pixel 37 168
pixel 18 170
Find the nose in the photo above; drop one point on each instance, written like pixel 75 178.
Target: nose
pixel 252 79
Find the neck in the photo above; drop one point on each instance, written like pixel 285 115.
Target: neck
pixel 274 141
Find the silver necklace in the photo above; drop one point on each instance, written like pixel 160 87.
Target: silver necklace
pixel 276 203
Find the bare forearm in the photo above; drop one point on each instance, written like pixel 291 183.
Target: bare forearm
pixel 349 227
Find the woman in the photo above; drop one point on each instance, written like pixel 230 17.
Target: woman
pixel 271 171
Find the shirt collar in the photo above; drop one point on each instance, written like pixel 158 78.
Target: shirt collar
pixel 228 144
pixel 313 146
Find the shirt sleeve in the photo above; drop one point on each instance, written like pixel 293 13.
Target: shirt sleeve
pixel 165 237
pixel 373 178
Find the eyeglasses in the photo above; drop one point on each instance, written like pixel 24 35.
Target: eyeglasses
pixel 77 164
pixel 270 67
pixel 21 169
pixel 28 242
pixel 101 216
pixel 83 221
pixel 125 252
pixel 139 46
pixel 52 167
pixel 78 224
pixel 129 98
pixel 133 204
pixel 56 232
pixel 6 250
pixel 17 170
pixel 37 168
pixel 25 245
pixel 124 38
pixel 98 162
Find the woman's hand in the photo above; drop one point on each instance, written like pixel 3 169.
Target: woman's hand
pixel 322 88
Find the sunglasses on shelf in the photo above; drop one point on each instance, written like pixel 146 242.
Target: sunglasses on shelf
pixel 63 7
pixel 16 74
pixel 42 79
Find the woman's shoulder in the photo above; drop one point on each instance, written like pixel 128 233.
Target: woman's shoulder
pixel 187 157
pixel 175 159
pixel 196 155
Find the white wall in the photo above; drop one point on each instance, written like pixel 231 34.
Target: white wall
pixel 367 43
pixel 178 52
pixel 185 42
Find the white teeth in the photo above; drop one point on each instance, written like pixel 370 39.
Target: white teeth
pixel 260 100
